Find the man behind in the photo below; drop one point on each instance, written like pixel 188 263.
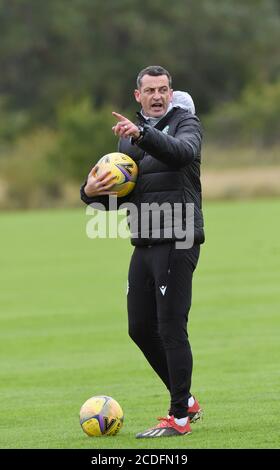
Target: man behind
pixel 165 143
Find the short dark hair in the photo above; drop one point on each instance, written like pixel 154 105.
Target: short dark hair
pixel 154 71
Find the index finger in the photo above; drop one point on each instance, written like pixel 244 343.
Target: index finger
pixel 119 116
pixel 93 171
pixel 101 176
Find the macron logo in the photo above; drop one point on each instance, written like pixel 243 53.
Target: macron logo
pixel 162 289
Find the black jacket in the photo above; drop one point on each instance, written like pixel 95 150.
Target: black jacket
pixel 168 159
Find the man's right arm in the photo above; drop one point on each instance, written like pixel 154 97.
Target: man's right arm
pixel 104 200
pixel 97 190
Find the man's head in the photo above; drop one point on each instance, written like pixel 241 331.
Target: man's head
pixel 154 91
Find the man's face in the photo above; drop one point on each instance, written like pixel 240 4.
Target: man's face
pixel 154 95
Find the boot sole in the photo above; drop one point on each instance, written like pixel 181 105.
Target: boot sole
pixel 198 415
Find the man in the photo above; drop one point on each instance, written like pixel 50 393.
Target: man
pixel 165 143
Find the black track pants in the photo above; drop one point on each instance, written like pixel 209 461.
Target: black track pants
pixel 159 300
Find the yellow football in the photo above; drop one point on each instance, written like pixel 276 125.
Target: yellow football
pixel 123 168
pixel 101 416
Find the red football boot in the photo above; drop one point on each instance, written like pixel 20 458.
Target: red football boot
pixel 195 412
pixel 166 428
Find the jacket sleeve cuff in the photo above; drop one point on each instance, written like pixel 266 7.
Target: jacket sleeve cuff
pixel 84 196
pixel 142 130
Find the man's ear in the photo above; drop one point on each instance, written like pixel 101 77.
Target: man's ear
pixel 137 96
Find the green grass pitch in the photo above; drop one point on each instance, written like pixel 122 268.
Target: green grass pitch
pixel 64 338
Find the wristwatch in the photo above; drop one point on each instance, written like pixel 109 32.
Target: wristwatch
pixel 141 135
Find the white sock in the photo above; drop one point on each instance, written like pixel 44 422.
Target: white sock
pixel 191 401
pixel 181 421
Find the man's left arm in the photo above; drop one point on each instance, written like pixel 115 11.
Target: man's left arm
pixel 177 151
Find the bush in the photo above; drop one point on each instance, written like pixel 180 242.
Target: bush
pixel 85 135
pixel 27 178
pixel 253 119
pixel 13 124
pixel 45 167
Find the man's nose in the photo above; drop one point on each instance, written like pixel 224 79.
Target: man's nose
pixel 157 95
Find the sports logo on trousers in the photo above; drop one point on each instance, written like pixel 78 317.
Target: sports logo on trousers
pixel 162 289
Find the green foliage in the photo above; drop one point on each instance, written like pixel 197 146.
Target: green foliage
pixel 27 178
pixel 53 54
pixel 252 119
pixel 12 123
pixel 53 49
pixel 85 135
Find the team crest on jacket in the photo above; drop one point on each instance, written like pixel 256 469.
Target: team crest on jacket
pixel 165 130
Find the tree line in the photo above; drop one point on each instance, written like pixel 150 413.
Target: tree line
pixel 65 64
pixel 67 49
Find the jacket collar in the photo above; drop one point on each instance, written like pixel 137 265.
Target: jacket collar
pixel 161 123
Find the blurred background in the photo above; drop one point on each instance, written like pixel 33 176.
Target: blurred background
pixel 66 64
